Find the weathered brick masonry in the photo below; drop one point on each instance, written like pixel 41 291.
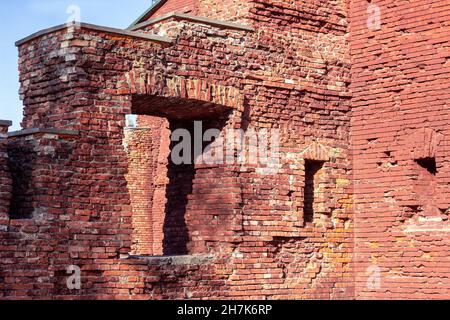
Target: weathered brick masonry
pixel 400 131
pixel 352 197
pixel 5 176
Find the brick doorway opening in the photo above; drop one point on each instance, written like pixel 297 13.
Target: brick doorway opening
pixel 166 196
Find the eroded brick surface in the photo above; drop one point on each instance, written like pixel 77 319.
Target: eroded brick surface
pixel 5 177
pixel 111 201
pixel 400 87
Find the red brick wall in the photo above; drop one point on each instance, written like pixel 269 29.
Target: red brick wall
pixel 36 250
pixel 244 230
pixel 182 6
pixel 227 10
pixel 379 227
pixel 400 85
pixel 5 176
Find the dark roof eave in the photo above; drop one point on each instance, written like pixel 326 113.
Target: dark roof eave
pixel 185 16
pixel 126 32
pixel 32 131
pixel 5 123
pixel 155 6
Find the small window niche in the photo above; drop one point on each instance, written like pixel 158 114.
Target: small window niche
pixel 429 164
pixel 312 174
pixel 425 178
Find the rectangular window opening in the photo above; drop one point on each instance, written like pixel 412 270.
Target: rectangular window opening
pixel 312 168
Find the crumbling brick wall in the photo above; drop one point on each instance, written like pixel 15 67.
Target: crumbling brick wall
pixel 245 230
pixel 284 232
pixel 226 10
pixel 356 207
pixel 400 132
pixel 36 243
pixel 5 176
pixel 183 6
pixel 307 96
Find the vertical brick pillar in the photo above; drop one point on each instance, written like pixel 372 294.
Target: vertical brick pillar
pixel 147 149
pixel 5 178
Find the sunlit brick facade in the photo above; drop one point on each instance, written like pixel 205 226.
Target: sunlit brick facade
pixel 357 207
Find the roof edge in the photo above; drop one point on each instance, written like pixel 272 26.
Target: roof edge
pixel 27 132
pixel 126 32
pixel 6 123
pixel 185 16
pixel 155 6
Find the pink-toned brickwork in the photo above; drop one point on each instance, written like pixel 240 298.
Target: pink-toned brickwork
pixel 400 131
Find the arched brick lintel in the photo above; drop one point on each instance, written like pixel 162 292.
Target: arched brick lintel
pixel 145 82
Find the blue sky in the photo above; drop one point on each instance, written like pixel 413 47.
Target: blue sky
pixel 19 19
